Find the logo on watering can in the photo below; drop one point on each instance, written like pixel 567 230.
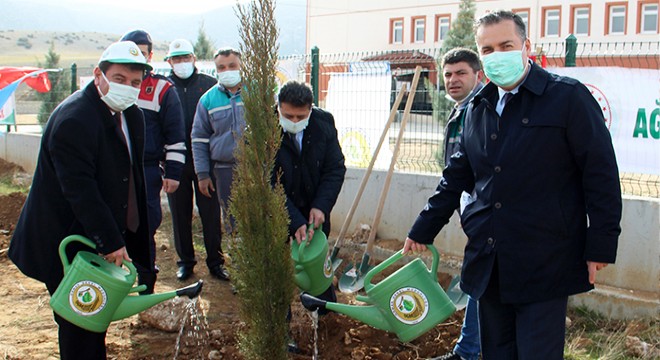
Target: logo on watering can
pixel 87 298
pixel 409 305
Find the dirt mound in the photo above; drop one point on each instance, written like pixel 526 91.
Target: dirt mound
pixel 8 168
pixel 11 204
pixel 28 318
pixel 10 210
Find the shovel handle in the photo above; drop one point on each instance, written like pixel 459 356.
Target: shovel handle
pixel 392 259
pixel 367 173
pixel 395 154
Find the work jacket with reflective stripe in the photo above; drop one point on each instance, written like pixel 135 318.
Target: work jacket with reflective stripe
pixel 218 125
pixel 164 125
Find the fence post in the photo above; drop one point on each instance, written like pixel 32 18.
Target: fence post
pixel 314 76
pixel 571 49
pixel 74 76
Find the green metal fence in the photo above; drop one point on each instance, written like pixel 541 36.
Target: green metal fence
pixel 365 100
pixel 421 149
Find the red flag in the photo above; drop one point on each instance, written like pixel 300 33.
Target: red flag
pixel 9 74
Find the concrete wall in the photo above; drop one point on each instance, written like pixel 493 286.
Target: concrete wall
pixel 634 279
pixel 629 288
pixel 21 149
pixel 637 267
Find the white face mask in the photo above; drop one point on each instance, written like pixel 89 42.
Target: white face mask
pixel 229 78
pixel 183 70
pixel 291 127
pixel 119 97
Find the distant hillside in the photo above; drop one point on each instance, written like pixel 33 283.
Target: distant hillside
pixel 24 48
pixel 80 32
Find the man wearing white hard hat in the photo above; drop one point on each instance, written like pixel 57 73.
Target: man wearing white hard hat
pixel 165 147
pixel 89 181
pixel 190 84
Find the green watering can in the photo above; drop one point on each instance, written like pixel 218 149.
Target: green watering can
pixel 94 293
pixel 409 302
pixel 312 264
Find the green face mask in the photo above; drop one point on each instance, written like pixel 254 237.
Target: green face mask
pixel 504 68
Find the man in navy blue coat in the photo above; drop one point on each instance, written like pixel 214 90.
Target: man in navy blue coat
pixel 89 181
pixel 309 160
pixel 538 161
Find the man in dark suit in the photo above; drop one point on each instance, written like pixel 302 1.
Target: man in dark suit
pixel 310 160
pixel 89 180
pixel 538 161
pixel 309 165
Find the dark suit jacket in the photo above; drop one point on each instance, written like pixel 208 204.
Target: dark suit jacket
pixel 313 177
pixel 80 186
pixel 546 187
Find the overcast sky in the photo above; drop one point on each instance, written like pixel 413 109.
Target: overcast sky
pixel 173 6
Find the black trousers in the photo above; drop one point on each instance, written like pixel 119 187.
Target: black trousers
pixel 181 208
pixel 521 331
pixel 75 342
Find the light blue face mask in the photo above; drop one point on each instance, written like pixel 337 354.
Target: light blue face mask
pixel 504 68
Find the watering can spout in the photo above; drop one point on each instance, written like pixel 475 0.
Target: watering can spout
pixel 132 305
pixel 369 314
pixel 192 290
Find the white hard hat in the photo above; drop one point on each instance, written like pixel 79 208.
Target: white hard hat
pixel 180 47
pixel 124 52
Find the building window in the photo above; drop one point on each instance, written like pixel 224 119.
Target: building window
pixel 615 23
pixel 551 21
pixel 580 19
pixel 418 29
pixel 647 18
pixel 396 31
pixel 524 15
pixel 442 24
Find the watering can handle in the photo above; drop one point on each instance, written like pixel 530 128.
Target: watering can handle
pixel 71 238
pixel 67 240
pixel 392 259
pixel 304 243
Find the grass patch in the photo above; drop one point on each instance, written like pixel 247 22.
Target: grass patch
pixel 7 186
pixel 591 336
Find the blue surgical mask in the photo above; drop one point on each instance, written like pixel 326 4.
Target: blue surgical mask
pixel 504 68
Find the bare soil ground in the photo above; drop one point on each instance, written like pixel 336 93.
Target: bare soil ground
pixel 27 329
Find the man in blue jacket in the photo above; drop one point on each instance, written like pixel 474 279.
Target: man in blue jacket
pixel 218 126
pixel 538 161
pixel 190 84
pixel 164 143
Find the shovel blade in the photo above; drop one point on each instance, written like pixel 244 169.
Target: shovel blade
pixel 353 279
pixel 455 294
pixel 335 264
